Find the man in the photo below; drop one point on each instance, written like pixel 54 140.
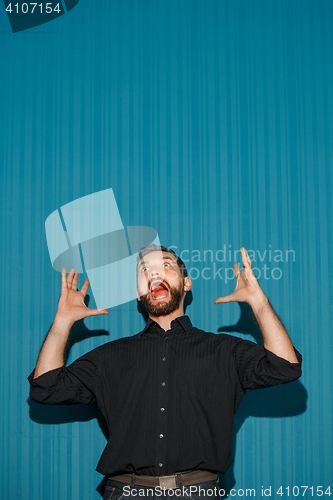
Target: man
pixel 169 393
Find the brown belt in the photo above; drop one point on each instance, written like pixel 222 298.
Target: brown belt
pixel 167 482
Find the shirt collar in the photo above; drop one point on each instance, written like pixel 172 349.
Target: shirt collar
pixel 184 322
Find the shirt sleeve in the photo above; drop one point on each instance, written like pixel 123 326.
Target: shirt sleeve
pixel 257 367
pixel 75 384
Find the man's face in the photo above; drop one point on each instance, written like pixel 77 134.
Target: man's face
pixel 160 283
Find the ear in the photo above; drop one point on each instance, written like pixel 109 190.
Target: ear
pixel 137 295
pixel 187 284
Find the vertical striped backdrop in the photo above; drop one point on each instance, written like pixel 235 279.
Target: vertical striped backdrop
pixel 212 121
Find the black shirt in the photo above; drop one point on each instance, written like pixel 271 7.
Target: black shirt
pixel 168 398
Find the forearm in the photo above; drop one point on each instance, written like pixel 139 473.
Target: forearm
pixel 52 353
pixel 276 339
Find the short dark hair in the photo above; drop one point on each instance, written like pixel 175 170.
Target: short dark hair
pixel 159 248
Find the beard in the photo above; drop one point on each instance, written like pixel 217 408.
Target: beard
pixel 163 309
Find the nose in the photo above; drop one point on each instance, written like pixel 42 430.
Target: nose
pixel 154 273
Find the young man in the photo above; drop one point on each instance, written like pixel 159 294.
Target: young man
pixel 169 393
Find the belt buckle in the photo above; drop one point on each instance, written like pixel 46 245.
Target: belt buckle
pixel 168 482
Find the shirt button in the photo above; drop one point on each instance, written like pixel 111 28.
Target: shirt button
pixel 160 464
pixel 163 359
pixel 162 409
pixel 163 383
pixel 161 436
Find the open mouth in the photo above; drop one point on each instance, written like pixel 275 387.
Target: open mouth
pixel 158 290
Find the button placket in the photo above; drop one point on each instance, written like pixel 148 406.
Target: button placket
pixel 162 401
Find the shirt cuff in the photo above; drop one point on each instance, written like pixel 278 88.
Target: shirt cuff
pixel 282 365
pixel 45 380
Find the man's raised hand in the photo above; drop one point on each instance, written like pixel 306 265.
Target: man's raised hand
pixel 71 304
pixel 247 287
pixel 71 308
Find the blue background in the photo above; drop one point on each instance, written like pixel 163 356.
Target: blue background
pixel 212 121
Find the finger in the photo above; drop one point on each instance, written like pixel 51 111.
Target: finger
pixel 75 280
pixel 245 258
pixel 63 280
pixel 236 270
pixel 225 299
pixel 85 287
pixel 97 312
pixel 70 278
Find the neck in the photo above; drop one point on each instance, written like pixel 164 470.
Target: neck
pixel 165 321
